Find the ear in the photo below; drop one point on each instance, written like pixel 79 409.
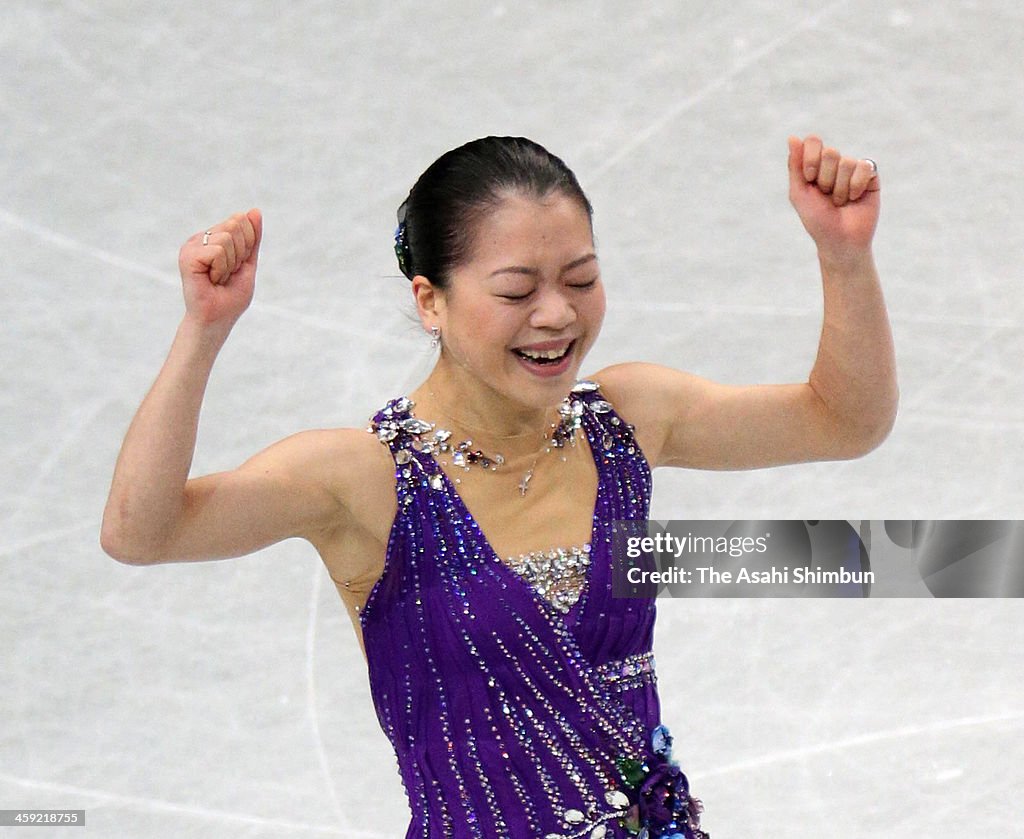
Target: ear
pixel 430 301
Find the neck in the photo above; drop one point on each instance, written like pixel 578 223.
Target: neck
pixel 479 409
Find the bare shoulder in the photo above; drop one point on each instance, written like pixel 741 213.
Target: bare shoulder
pixel 631 382
pixel 366 480
pixel 640 392
pixel 348 462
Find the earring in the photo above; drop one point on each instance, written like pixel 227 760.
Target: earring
pixel 435 337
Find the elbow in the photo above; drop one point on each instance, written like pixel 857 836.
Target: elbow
pixel 866 441
pixel 118 545
pixel 867 432
pixel 884 420
pixel 852 424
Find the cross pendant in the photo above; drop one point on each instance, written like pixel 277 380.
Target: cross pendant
pixel 524 484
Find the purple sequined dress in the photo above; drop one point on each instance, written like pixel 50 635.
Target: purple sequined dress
pixel 512 712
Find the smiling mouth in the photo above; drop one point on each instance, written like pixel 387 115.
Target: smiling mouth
pixel 546 356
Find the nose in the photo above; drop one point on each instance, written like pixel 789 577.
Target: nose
pixel 553 310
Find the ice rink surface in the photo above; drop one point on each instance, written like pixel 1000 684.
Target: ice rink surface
pixel 229 699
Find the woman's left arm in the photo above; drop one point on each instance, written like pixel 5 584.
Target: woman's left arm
pixel 848 404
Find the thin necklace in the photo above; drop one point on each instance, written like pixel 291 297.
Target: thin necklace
pixel 464 455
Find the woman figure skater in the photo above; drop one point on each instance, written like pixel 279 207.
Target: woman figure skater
pixel 469 533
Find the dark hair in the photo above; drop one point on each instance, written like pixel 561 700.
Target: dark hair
pixel 437 221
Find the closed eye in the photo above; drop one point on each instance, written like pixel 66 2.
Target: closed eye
pixel 581 286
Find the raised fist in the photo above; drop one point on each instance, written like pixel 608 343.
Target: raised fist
pixel 836 197
pixel 218 268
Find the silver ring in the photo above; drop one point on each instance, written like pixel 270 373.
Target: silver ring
pixel 206 237
pixel 874 166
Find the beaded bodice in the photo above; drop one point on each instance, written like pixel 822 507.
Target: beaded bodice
pixel 519 695
pixel 558 575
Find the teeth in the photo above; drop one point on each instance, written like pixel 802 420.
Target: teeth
pixel 543 354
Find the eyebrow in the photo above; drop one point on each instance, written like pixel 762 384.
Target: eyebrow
pixel 522 269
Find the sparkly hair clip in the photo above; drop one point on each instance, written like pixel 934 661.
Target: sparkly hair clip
pixel 402 244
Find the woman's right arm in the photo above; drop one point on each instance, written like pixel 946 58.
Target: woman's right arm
pixel 154 513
